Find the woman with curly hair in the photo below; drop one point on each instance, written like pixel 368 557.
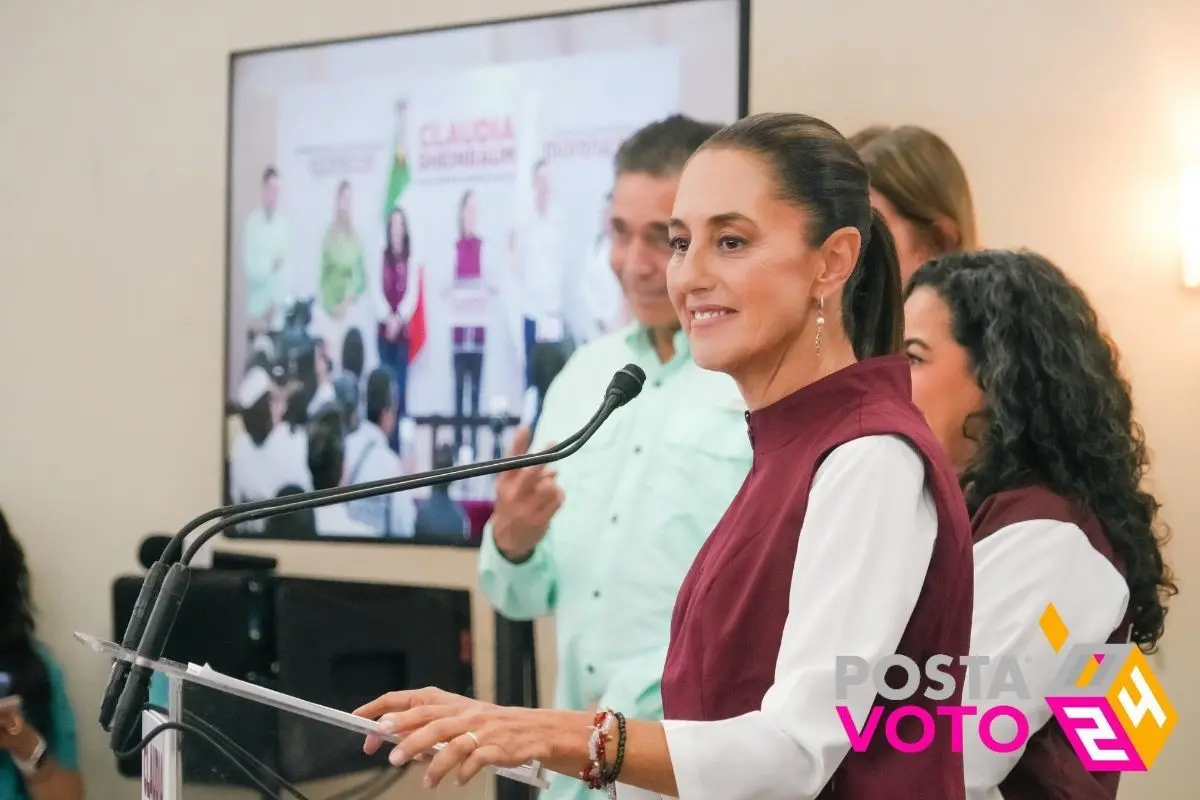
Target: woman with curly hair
pixel 37 726
pixel 1023 389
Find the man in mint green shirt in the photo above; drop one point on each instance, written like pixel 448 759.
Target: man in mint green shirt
pixel 603 540
pixel 265 245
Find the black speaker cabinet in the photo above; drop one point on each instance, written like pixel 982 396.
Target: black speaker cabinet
pixel 226 620
pixel 335 643
pixel 343 644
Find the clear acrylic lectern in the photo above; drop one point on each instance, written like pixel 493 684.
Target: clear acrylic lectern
pixel 305 743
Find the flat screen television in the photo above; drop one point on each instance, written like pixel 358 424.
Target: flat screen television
pixel 417 240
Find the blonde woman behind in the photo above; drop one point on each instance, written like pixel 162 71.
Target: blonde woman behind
pixel 919 186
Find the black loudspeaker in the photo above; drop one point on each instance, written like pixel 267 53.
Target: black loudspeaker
pixel 227 621
pixel 335 643
pixel 343 644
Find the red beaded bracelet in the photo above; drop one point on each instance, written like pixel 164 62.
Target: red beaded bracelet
pixel 594 773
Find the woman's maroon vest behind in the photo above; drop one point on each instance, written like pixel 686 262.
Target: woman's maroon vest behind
pixel 1049 766
pixel 731 609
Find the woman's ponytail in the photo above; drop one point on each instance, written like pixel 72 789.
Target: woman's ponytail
pixel 873 307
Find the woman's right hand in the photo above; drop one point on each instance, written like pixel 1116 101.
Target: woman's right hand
pixel 16 735
pixel 526 500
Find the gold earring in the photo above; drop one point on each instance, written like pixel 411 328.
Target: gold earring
pixel 820 321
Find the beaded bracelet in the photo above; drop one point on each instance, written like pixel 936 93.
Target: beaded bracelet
pixel 597 775
pixel 593 774
pixel 611 775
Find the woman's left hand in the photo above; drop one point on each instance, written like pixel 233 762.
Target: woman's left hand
pixel 476 734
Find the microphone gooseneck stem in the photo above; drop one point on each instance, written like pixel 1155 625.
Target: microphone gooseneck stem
pixel 164 588
pixel 625 386
pixel 360 491
pixel 132 636
pixel 161 619
pixel 173 549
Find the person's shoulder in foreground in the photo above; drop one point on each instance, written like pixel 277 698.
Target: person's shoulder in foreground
pixel 64 742
pixel 57 776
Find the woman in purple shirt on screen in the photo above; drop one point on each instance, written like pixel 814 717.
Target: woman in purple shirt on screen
pixel 399 296
pixel 468 302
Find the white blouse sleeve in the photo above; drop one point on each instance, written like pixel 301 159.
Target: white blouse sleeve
pixel 864 551
pixel 1019 569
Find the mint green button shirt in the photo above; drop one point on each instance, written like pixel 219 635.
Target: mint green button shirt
pixel 265 241
pixel 641 497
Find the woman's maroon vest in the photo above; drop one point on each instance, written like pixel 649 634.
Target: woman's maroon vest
pixel 731 609
pixel 1049 767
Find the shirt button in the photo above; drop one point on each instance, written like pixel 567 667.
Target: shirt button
pixel 658 384
pixel 596 593
pixel 614 519
pixel 637 448
pixel 590 669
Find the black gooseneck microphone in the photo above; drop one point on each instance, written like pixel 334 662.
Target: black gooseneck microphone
pixel 166 583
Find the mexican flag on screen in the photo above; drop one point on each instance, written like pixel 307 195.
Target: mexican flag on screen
pixel 398 181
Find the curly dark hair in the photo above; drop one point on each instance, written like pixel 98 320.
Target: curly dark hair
pixel 1059 413
pixel 18 656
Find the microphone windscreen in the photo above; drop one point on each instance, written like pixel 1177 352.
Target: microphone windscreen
pixel 152 548
pixel 627 383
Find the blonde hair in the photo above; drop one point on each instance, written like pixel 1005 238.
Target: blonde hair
pixel 918 173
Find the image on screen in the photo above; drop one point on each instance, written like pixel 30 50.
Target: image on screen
pixel 418 241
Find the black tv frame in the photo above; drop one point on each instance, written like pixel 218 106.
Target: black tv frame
pixel 743 103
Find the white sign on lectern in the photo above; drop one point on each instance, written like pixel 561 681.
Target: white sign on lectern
pixel 160 761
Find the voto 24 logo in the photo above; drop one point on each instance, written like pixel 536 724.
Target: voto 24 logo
pixel 1105 697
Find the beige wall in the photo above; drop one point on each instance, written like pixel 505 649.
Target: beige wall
pixel 1073 119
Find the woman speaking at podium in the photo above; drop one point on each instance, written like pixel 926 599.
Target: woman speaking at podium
pixel 849 537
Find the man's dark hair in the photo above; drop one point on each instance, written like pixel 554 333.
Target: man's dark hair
pixel 353 352
pixel 346 399
pixel 661 148
pixel 257 420
pixel 326 448
pixel 546 361
pixel 270 172
pixel 300 524
pixel 443 457
pixel 382 393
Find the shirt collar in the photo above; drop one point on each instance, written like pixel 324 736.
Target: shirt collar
pixel 637 336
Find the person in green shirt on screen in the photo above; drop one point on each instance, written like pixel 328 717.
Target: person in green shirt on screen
pixel 265 258
pixel 342 278
pixel 603 539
